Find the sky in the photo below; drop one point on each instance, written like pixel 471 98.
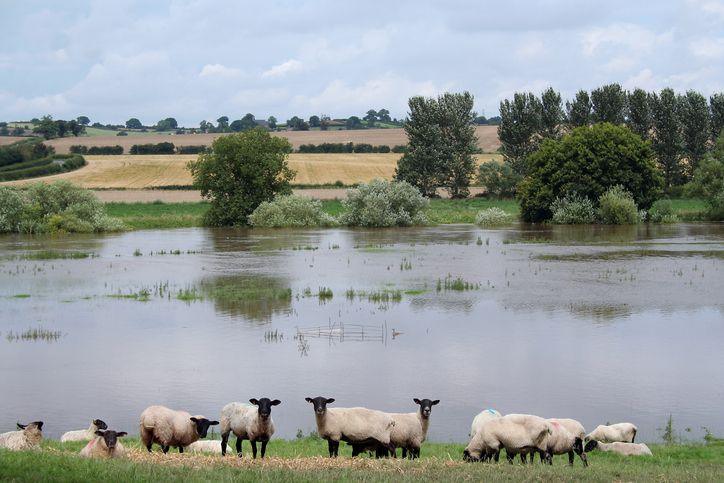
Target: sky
pixel 196 60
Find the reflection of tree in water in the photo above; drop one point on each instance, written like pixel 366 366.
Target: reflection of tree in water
pixel 254 297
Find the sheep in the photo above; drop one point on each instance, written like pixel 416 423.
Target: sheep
pixel 248 422
pixel 482 417
pixel 84 434
pixel 624 449
pixel 27 437
pixel 409 432
pixel 205 446
pixel 567 436
pixel 354 425
pixel 167 427
pixel 105 444
pixel 517 433
pixel 621 432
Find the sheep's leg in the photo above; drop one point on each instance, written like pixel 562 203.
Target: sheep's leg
pixel 414 453
pixel 165 449
pixel 404 453
pixel 253 448
pixel 523 458
pixel 263 448
pixel 496 456
pixel 634 436
pixel 181 449
pixel 336 449
pixel 509 456
pixel 148 446
pixel 333 448
pixel 238 447
pixel 571 457
pixel 584 458
pixel 355 450
pixel 224 442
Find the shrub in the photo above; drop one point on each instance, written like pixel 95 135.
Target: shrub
pixel 290 210
pixel 708 181
pixel 48 208
pixel 573 210
pixel 383 203
pixel 191 149
pixel 399 148
pixel 78 149
pixel 159 148
pixel 121 133
pixel 617 207
pixel 498 178
pixel 493 216
pixel 105 150
pixel 588 161
pixel 58 163
pixel 662 211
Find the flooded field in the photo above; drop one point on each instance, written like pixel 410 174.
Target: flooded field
pixel 595 323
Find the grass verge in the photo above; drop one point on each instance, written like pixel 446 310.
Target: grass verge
pixel 302 460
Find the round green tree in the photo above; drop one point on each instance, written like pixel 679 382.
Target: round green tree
pixel 241 171
pixel 587 162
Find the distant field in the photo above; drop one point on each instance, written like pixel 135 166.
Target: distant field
pixel 487 138
pixel 9 139
pixel 151 171
pixel 95 132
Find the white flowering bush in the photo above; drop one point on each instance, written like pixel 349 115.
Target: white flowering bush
pixel 383 203
pixel 573 210
pixel 493 216
pixel 290 210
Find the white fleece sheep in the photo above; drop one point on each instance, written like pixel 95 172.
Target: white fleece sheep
pixel 168 427
pixel 622 432
pixel 624 449
pixel 517 433
pixel 104 445
pixel 354 425
pixel 481 418
pixel 27 437
pixel 252 422
pixel 205 446
pixel 567 437
pixel 84 434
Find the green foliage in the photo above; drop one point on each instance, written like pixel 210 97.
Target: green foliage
pixel 667 141
pixel 382 203
pixel 608 104
pixel 55 207
pixel 716 108
pixel 520 122
pixel 240 172
pixel 552 115
pixel 134 123
pixel 573 210
pixel 441 144
pixel 708 181
pixel 588 161
pixel 693 114
pixel 492 216
pixel 54 164
pixel 166 124
pixel 290 210
pixel 662 211
pixel 639 113
pixel 158 148
pixel 343 148
pixel 498 178
pixel 617 207
pixel 579 110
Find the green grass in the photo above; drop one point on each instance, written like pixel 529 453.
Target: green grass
pixel 56 255
pixel 441 211
pixel 302 460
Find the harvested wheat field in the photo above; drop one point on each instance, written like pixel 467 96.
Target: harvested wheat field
pixel 4 140
pixel 154 171
pixel 487 138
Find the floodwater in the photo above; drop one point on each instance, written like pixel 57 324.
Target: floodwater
pixel 597 323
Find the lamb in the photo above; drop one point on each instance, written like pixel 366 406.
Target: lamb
pixel 248 422
pixel 84 434
pixel 27 437
pixel 409 432
pixel 105 444
pixel 360 426
pixel 567 436
pixel 517 433
pixel 167 427
pixel 205 446
pixel 623 432
pixel 624 449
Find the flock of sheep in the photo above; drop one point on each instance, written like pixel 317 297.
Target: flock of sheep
pixel 366 430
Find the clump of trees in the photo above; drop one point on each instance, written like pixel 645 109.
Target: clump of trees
pixel 708 181
pixel 50 129
pixel 441 144
pixel 240 172
pixel 158 148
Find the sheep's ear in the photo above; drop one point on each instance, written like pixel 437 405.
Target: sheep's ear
pixel 255 402
pixel 417 401
pixel 213 423
pixel 121 433
pixel 330 400
pixel 436 402
pixel 591 445
pixel 276 402
pixel 194 419
pixel 99 432
pixel 21 426
pixel 308 399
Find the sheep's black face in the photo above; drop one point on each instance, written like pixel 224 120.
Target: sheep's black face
pixel 202 426
pixel 590 446
pixel 320 403
pixel 100 424
pixel 37 424
pixel 265 405
pixel 426 406
pixel 110 437
pixel 467 456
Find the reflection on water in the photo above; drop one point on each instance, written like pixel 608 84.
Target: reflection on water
pixel 596 323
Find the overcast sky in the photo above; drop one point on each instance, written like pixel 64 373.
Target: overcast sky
pixel 194 60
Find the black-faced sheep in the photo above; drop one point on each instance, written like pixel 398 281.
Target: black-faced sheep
pixel 624 449
pixel 248 422
pixel 84 434
pixel 27 437
pixel 105 444
pixel 167 427
pixel 519 434
pixel 619 432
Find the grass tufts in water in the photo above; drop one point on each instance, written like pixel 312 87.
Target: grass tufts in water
pixel 457 284
pixel 56 255
pixel 325 293
pixel 629 254
pixel 189 294
pixel 405 264
pixel 34 335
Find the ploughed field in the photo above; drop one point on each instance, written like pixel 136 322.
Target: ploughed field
pixel 487 138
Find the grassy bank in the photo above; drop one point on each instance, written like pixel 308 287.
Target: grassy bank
pixel 302 460
pixel 183 215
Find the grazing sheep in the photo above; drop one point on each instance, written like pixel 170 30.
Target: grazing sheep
pixel 84 434
pixel 620 432
pixel 360 426
pixel 167 427
pixel 624 449
pixel 105 444
pixel 566 438
pixel 517 433
pixel 205 446
pixel 27 437
pixel 482 417
pixel 409 432
pixel 248 422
